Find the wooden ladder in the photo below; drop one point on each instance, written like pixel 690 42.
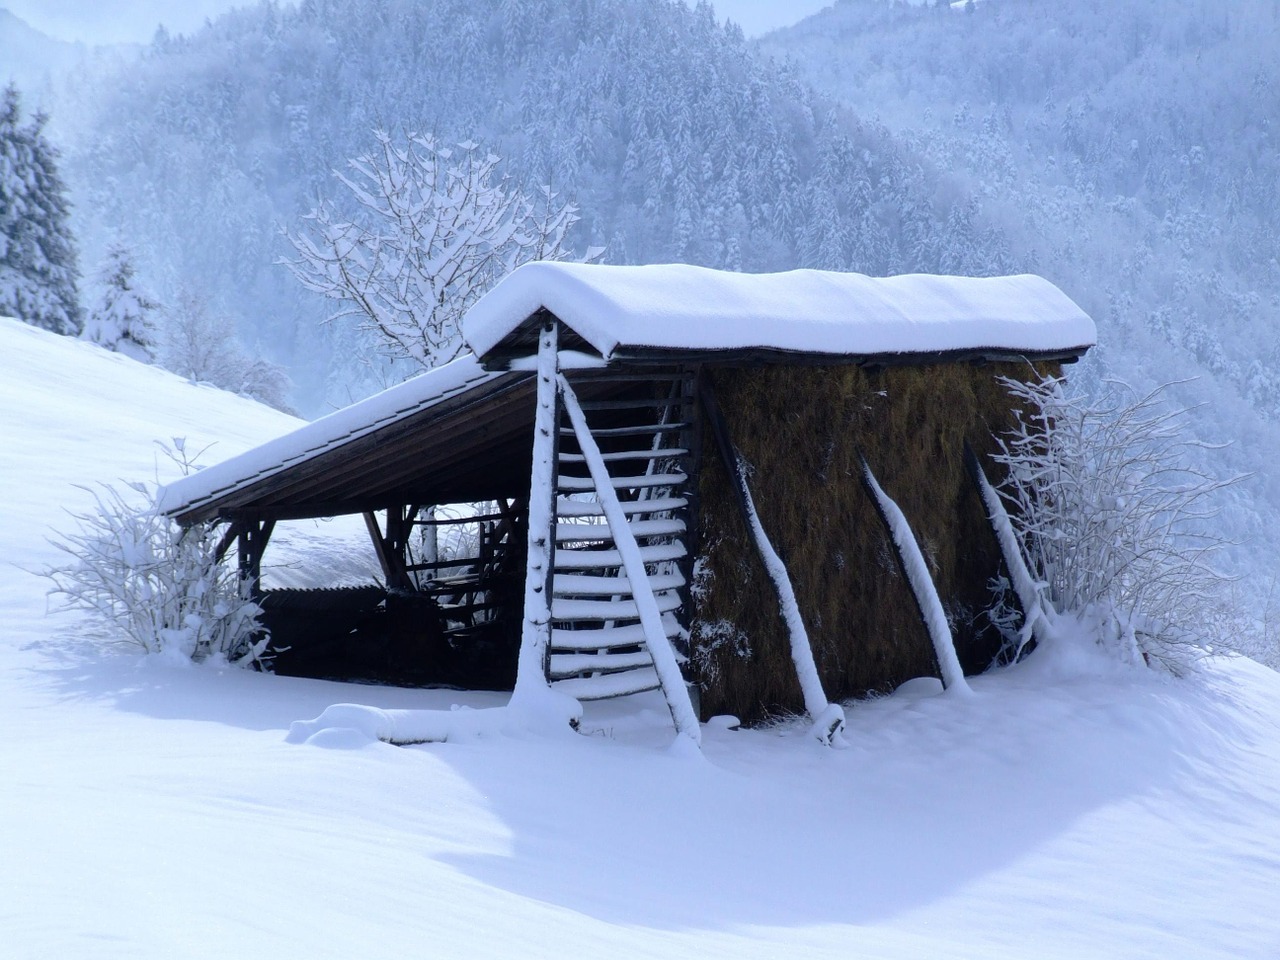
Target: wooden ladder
pixel 642 425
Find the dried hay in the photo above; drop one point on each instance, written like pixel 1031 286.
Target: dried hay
pixel 801 428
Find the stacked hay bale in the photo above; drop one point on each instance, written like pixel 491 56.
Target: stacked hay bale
pixel 801 429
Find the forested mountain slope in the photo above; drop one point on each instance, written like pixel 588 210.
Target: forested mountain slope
pixel 677 140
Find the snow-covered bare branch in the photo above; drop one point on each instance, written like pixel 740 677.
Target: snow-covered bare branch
pixel 437 226
pixel 1116 516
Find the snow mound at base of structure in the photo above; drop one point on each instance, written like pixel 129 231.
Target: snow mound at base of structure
pixel 351 724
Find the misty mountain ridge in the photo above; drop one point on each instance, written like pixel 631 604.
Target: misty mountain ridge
pixel 31 58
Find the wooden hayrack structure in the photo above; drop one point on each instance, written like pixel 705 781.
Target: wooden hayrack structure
pixel 679 467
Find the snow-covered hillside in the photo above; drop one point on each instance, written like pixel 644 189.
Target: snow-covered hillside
pixel 1068 809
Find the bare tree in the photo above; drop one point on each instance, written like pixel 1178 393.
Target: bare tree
pixel 201 345
pixel 436 229
pixel 198 343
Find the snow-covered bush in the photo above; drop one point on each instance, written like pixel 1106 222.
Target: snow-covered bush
pixel 151 583
pixel 1115 517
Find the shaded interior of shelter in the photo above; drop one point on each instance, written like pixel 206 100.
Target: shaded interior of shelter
pixel 452 616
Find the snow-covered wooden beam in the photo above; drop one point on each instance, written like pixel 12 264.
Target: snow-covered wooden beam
pixel 828 718
pixel 1030 592
pixel 533 697
pixel 923 590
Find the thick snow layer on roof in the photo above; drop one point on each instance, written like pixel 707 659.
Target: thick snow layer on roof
pixel 676 306
pixel 327 432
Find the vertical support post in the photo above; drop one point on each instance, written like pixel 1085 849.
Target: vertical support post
pixel 535 634
pixel 399 529
pixel 391 547
pixel 430 540
pixel 690 440
pixel 252 542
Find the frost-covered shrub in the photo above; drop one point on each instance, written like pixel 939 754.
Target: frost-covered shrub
pixel 1115 517
pixel 153 584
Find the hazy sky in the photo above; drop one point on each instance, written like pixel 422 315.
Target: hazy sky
pixel 113 21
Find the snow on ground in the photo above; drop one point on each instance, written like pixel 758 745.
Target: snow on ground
pixel 1068 809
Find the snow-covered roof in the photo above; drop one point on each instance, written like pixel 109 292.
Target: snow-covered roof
pixel 326 434
pixel 626 310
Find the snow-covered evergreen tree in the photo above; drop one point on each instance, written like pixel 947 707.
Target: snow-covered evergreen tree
pixel 39 273
pixel 122 320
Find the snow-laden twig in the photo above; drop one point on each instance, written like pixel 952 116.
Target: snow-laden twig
pixel 436 228
pixel 155 585
pixel 1115 516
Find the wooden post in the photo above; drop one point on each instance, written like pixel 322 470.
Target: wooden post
pixel 391 547
pixel 828 718
pixel 691 440
pixel 535 637
pixel 251 544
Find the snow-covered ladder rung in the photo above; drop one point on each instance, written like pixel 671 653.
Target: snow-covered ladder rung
pixel 570 559
pixel 592 508
pixel 571 610
pixel 599 532
pixel 603 638
pixel 584 484
pixel 610 685
pixel 649 453
pixel 577 585
pixel 647 430
pixel 573 664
